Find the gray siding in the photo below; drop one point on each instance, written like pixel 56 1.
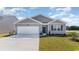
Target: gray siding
pixel 7 24
pixel 57 32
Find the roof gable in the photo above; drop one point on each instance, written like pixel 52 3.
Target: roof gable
pixel 27 20
pixel 57 21
pixel 42 18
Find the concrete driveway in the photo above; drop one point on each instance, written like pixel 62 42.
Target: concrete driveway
pixel 20 43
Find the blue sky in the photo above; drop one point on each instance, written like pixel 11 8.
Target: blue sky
pixel 68 14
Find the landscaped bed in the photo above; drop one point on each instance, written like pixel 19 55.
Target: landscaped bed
pixel 58 43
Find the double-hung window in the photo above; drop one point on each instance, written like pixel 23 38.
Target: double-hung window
pixel 52 27
pixel 56 27
pixel 61 27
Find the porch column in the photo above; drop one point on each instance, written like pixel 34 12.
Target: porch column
pixel 48 29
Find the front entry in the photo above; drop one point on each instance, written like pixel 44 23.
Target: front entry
pixel 44 29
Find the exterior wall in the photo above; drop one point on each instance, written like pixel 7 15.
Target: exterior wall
pixel 49 31
pixel 5 28
pixel 57 32
pixel 7 24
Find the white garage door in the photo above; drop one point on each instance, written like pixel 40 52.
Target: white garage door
pixel 27 29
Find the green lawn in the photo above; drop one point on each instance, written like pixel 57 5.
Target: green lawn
pixel 3 34
pixel 7 34
pixel 58 43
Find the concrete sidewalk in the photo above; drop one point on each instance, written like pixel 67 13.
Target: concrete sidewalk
pixel 20 43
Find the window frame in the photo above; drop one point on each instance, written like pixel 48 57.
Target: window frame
pixel 56 27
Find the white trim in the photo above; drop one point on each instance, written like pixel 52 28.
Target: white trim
pixel 36 20
pixel 43 15
pixel 53 20
pixel 39 21
pixel 30 19
pixel 17 21
pixel 56 20
pixel 36 16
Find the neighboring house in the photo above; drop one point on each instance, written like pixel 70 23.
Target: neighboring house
pixel 45 24
pixel 7 23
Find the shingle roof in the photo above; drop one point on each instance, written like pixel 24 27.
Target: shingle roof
pixel 59 21
pixel 42 18
pixel 27 20
pixel 39 18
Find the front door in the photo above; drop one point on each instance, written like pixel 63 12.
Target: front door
pixel 44 29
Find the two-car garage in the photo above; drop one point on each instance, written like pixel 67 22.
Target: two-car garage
pixel 27 26
pixel 28 30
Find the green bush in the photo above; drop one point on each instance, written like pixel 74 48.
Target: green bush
pixel 11 33
pixel 75 37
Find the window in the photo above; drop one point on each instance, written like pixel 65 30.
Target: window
pixel 56 27
pixel 51 27
pixel 61 27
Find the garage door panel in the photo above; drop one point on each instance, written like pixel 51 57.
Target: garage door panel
pixel 27 30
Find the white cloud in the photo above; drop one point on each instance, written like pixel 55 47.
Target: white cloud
pixel 52 8
pixel 32 8
pixel 8 11
pixel 20 18
pixel 71 20
pixel 2 8
pixel 67 9
pixel 12 11
pixel 18 12
pixel 71 15
pixel 50 13
pixel 62 12
pixel 66 15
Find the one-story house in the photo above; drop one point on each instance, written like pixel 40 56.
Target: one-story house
pixel 45 24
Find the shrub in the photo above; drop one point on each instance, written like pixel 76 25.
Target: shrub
pixel 74 36
pixel 11 33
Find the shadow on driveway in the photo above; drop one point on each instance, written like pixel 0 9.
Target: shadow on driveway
pixel 24 36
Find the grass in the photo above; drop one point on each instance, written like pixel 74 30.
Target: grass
pixel 7 34
pixel 3 34
pixel 58 43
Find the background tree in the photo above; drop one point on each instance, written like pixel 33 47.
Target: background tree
pixel 72 27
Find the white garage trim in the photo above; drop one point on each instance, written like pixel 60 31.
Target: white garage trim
pixel 28 30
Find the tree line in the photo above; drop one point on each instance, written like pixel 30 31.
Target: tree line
pixel 72 27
